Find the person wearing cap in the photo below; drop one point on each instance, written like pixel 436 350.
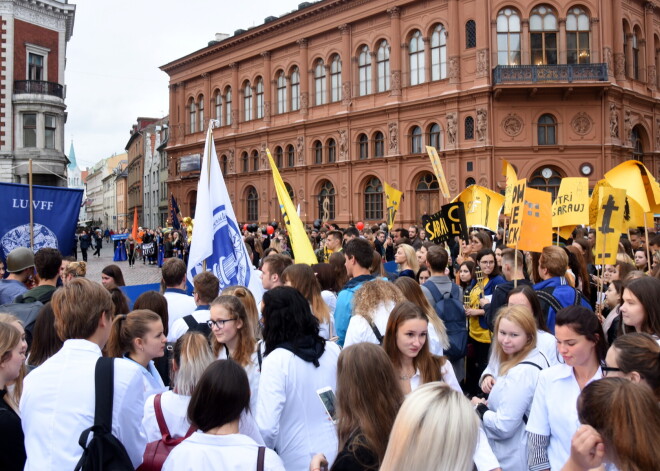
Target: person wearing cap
pixel 47 262
pixel 20 265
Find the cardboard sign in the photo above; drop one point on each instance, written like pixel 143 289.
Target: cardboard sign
pixel 482 206
pixel 571 207
pixel 517 210
pixel 437 169
pixel 536 230
pixel 511 179
pixel 446 224
pixel 609 225
pixel 638 182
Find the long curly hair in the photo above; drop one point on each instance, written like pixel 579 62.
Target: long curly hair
pixel 373 294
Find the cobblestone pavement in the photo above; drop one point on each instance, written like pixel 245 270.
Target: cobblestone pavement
pixel 140 275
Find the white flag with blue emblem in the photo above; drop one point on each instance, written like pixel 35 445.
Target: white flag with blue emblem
pixel 216 238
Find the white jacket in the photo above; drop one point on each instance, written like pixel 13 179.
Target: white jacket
pixel 290 415
pixel 509 401
pixel 179 305
pixel 253 374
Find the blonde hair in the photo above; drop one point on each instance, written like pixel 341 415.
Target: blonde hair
pixel 128 327
pixel 246 297
pixel 435 430
pixel 372 294
pixel 76 269
pixel 10 336
pixel 246 341
pixel 192 355
pixel 523 318
pixel 411 257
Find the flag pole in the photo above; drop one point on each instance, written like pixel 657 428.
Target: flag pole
pixel 646 238
pixel 31 207
pixel 207 157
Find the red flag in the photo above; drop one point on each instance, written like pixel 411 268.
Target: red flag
pixel 134 232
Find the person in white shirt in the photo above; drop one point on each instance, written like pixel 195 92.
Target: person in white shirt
pixel 216 405
pixel 518 366
pixel 406 345
pixel 139 336
pixel 58 398
pixel 297 363
pixel 553 418
pixel 233 338
pixel 207 287
pixel 191 356
pixel 301 277
pixel 179 304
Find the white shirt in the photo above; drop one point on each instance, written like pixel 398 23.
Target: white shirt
pixel 175 414
pixel 58 404
pixel 253 373
pixel 546 343
pixel 554 410
pixel 179 304
pixel 330 299
pixel 509 401
pixel 234 452
pixel 180 327
pixel 290 415
pixel 153 383
pixel 359 329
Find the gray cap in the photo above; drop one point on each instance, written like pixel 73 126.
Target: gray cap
pixel 19 259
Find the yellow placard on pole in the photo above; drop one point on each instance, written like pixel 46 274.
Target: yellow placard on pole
pixel 482 206
pixel 571 207
pixel 609 224
pixel 437 169
pixel 393 199
pixel 517 210
pixel 536 229
pixel 511 179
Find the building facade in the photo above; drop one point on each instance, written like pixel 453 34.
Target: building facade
pixel 137 147
pixel 347 94
pixel 75 180
pixel 124 220
pixel 33 39
pixel 153 158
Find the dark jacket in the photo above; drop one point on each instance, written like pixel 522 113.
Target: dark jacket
pixel 355 457
pixel 85 241
pixel 12 448
pixel 500 293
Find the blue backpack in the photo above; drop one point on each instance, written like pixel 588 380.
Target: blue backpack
pixel 449 308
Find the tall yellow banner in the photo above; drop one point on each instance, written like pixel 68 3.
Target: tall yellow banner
pixel 302 247
pixel 609 224
pixel 482 206
pixel 638 182
pixel 511 178
pixel 517 210
pixel 437 169
pixel 392 198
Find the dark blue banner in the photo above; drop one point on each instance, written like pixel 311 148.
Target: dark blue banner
pixel 55 217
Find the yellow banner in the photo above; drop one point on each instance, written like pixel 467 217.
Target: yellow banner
pixel 638 182
pixel 300 244
pixel 511 178
pixel 571 207
pixel 633 213
pixel 392 198
pixel 437 169
pixel 609 224
pixel 482 206
pixel 517 210
pixel 536 228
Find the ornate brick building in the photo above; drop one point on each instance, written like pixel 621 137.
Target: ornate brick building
pixel 346 94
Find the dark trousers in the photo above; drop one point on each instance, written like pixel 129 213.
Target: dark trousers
pixel 97 251
pixel 476 362
pixel 84 253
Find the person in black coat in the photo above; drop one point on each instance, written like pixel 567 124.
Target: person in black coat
pixel 85 243
pixel 98 239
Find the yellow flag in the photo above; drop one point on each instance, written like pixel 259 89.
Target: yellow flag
pixel 609 225
pixel 482 206
pixel 302 247
pixel 633 213
pixel 511 178
pixel 571 207
pixel 638 182
pixel 392 198
pixel 437 169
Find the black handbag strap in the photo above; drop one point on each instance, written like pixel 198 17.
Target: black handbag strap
pixel 260 458
pixel 104 384
pixel 376 332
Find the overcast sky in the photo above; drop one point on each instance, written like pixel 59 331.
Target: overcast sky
pixel 113 58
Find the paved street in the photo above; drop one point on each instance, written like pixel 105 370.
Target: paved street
pixel 140 275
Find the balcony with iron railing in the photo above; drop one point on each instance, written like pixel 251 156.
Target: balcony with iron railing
pixel 38 87
pixel 562 73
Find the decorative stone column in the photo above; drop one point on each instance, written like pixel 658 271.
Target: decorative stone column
pixel 395 51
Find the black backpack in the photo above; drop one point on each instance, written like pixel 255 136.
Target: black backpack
pixel 103 452
pixel 27 313
pixel 449 308
pixel 193 325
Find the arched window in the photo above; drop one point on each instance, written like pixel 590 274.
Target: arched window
pixel 228 105
pixel 383 63
pixel 543 35
pixel 636 139
pixel 318 152
pixel 278 156
pixel 255 160
pixel 546 179
pixel 577 36
pixel 373 200
pixel 364 71
pixel 247 101
pixel 200 111
pixel 290 156
pixel 547 130
pixel 289 190
pixel 379 144
pixel 635 55
pixel 416 140
pixel 469 128
pixel 193 116
pixel 223 164
pixel 246 162
pixel 470 34
pixel 260 98
pixel 426 194
pixel 319 83
pixel 508 37
pixel 327 201
pixel 281 93
pixel 363 142
pixel 439 53
pixel 332 151
pixel 434 136
pixel 416 57
pixel 218 107
pixel 295 89
pixel 335 78
pixel 252 204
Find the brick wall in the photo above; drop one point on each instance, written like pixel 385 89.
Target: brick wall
pixel 39 36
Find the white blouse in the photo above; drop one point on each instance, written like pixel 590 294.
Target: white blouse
pixel 253 373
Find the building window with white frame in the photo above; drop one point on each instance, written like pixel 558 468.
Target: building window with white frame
pixel 247 102
pixel 439 53
pixel 577 36
pixel 193 116
pixel 260 98
pixel 416 57
pixel 319 83
pixel 50 128
pixel 379 144
pixel 364 71
pixel 281 93
pixel 30 130
pixel 218 107
pixel 335 79
pixel 200 107
pixel 35 66
pixel 228 105
pixel 416 140
pixel 383 64
pixel 508 37
pixel 543 29
pixel 295 89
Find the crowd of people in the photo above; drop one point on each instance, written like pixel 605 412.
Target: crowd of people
pixel 390 353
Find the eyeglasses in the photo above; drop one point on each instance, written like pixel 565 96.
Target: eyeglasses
pixel 487 262
pixel 607 369
pixel 219 323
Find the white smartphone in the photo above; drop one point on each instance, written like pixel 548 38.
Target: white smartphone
pixel 328 399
